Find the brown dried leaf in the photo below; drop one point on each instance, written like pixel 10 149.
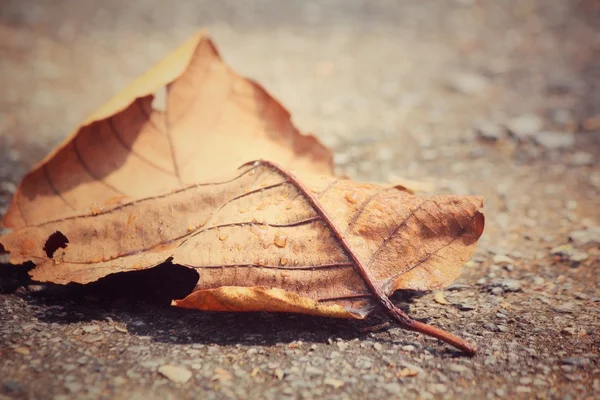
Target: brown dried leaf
pixel 214 121
pixel 130 190
pixel 263 241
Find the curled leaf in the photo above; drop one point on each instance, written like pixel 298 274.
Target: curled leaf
pixel 213 120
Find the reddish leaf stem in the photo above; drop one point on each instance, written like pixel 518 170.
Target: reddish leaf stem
pixel 408 323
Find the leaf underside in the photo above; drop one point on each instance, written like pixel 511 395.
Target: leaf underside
pixel 263 228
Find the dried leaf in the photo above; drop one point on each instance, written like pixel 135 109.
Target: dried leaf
pixel 347 246
pixel 214 121
pixel 144 181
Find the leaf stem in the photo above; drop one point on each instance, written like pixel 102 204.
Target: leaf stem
pixel 408 323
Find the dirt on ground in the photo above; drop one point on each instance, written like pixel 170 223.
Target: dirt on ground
pixel 495 98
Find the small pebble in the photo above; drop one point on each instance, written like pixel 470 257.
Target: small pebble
pixel 12 386
pixel 570 253
pixel 581 158
pixel 576 361
pixel 175 373
pixel 488 131
pixel 585 236
pixel 525 126
pixel 393 388
pixel 468 83
pixel 568 307
pixel 457 368
pixel 334 383
pixel 312 371
pixel 92 338
pixel 502 259
pixel 73 387
pixel 279 374
pixel 554 140
pixel 523 389
pixel 465 306
pixel 507 285
pixel 90 328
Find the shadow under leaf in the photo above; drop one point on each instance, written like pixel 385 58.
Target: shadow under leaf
pixel 141 301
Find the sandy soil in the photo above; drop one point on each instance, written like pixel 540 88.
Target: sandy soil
pixel 500 99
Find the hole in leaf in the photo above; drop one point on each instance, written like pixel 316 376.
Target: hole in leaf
pixel 56 241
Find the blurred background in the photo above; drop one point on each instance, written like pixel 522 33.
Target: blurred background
pixel 461 93
pixel 488 97
pixel 350 71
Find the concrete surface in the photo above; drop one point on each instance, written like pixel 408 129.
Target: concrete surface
pixel 421 90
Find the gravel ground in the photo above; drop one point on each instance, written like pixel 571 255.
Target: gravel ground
pixel 498 98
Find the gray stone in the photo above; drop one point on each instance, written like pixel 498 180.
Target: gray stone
pixel 465 306
pixel 312 371
pixel 568 252
pixel 568 307
pixel 502 259
pixel 507 285
pixel 334 383
pixel 92 338
pixel 554 140
pixel 393 388
pixel 364 363
pixel 490 327
pixel 523 389
pixel 490 360
pixel 175 373
pixel 488 131
pixel 151 364
pixel 582 158
pixel 539 382
pixel 457 368
pixel 12 386
pixel 525 380
pixel 538 280
pixel 90 328
pixel 585 236
pixel 575 361
pixel 525 126
pixel 7 187
pixel 513 358
pixel 438 388
pixel 73 387
pixel 468 83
